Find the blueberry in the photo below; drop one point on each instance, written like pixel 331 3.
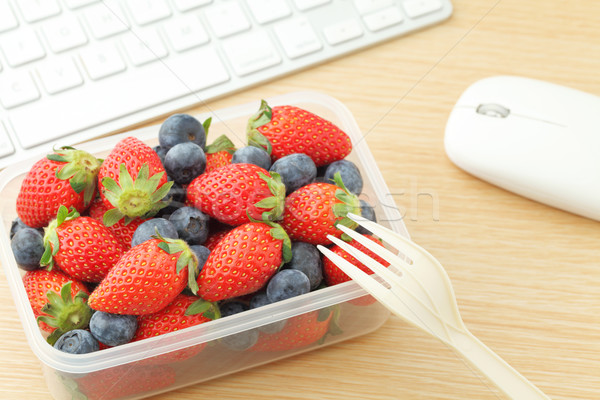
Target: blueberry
pixel 176 198
pixel 296 170
pixel 232 307
pixel 148 228
pixel 113 329
pixel 286 284
pixel 181 128
pixel 17 225
pixel 258 300
pixel 368 212
pixel 28 247
pixel 184 162
pixel 240 341
pixel 77 341
pixel 201 253
pixel 191 224
pixel 252 155
pixel 307 259
pixel 349 173
pixel 161 152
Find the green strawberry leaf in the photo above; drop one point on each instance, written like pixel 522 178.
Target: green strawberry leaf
pixel 206 125
pixel 261 117
pixel 208 309
pixel 186 259
pixel 222 143
pixel 274 204
pixel 80 169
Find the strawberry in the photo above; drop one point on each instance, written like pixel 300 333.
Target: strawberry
pixel 147 278
pixel 119 382
pixel 128 197
pixel 184 311
pixel 58 301
pixel 122 231
pixel 333 275
pixel 66 177
pixel 235 193
pixel 214 238
pixel 219 153
pixel 80 246
pixel 243 261
pixel 285 130
pixel 300 331
pixel 313 211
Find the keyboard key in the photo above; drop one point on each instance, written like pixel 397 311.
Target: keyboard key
pixel 342 31
pixel 418 8
pixel 297 37
pixel 226 19
pixel 17 89
pixel 186 5
pixel 308 4
pixel 105 19
pixel 8 20
pixel 185 32
pixel 143 47
pixel 251 52
pixel 368 6
pixel 35 10
pixel 6 146
pixel 59 75
pixel 268 10
pixel 73 4
pixel 21 47
pixel 64 33
pixel 118 96
pixel 383 19
pixel 147 11
pixel 102 61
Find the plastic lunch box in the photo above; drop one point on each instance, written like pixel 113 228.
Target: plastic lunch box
pixel 196 354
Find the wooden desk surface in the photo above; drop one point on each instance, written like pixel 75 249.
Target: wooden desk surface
pixel 526 276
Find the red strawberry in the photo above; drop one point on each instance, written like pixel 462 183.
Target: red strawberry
pixel 284 130
pixel 235 192
pixel 122 381
pixel 243 261
pixel 133 182
pixel 66 177
pixel 219 153
pixel 147 278
pixel 214 238
pixel 313 211
pixel 80 246
pixel 122 231
pixel 184 311
pixel 333 275
pixel 57 301
pixel 299 331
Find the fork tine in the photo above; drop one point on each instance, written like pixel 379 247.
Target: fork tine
pixel 387 275
pixel 365 280
pixel 389 236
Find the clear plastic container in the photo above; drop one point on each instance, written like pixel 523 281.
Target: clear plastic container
pixel 141 369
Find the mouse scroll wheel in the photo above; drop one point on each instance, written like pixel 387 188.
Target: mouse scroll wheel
pixel 493 110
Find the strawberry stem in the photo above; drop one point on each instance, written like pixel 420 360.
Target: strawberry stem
pixel 261 117
pixel 349 204
pixel 187 258
pixel 64 312
pixel 51 242
pixel 139 198
pixel 80 170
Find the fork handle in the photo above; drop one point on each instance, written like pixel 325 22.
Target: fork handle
pixel 506 378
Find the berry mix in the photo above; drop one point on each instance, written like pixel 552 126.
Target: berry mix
pixel 152 240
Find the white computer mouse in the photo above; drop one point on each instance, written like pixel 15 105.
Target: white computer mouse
pixel 534 138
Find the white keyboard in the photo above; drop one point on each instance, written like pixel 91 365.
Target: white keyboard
pixel 72 70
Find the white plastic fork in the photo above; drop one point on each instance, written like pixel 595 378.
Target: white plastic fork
pixel 420 292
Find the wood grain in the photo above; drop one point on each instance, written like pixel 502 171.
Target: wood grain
pixel 526 275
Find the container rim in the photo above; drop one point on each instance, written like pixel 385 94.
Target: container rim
pixel 136 351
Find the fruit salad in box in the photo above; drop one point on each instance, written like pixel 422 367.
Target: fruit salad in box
pixel 170 255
